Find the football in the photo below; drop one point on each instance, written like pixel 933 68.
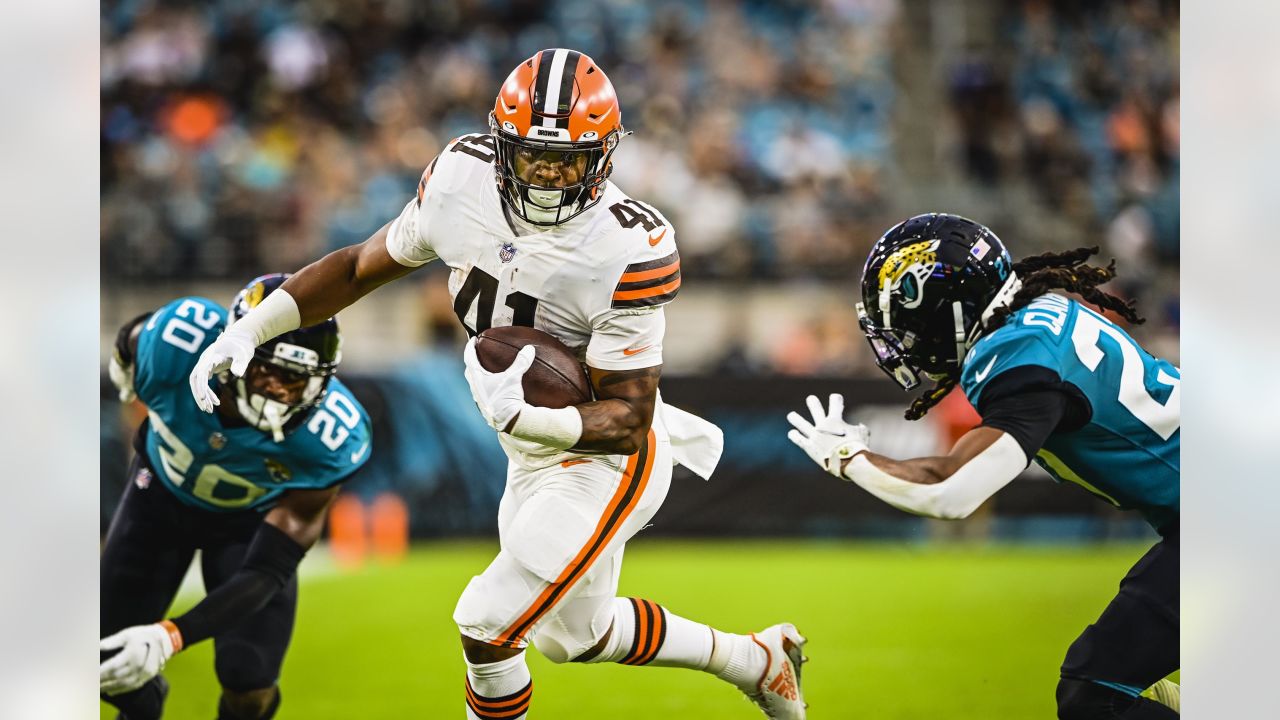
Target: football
pixel 555 380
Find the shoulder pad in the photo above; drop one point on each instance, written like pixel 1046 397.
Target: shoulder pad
pixel 456 163
pixel 647 243
pixel 171 341
pixel 1009 346
pixel 338 439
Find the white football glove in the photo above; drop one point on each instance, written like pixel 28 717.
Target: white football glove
pixel 828 440
pixel 499 395
pixel 229 350
pixel 122 377
pixel 144 649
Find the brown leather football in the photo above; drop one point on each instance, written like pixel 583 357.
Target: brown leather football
pixel 556 378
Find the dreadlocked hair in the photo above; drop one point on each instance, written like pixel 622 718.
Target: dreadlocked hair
pixel 1065 271
pixel 1040 274
pixel 925 402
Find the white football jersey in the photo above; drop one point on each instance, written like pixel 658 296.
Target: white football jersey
pixel 597 283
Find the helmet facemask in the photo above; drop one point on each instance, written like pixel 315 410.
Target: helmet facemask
pixel 282 383
pixel 290 373
pixel 899 353
pixel 572 174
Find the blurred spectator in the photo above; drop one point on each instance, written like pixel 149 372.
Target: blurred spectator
pixel 236 134
pixel 244 136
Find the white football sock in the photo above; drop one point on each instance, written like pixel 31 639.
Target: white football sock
pixel 645 633
pixel 500 690
pixel 737 659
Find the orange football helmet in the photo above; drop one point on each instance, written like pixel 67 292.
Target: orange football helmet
pixel 555 124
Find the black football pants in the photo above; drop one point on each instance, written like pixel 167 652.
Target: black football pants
pixel 1134 643
pixel 149 546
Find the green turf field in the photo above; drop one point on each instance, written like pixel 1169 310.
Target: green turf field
pixel 895 632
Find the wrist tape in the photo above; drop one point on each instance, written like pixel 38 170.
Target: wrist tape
pixel 560 429
pixel 275 315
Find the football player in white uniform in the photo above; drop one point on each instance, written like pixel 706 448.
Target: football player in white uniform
pixel 535 235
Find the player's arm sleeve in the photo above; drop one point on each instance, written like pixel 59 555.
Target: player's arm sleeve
pixel 649 283
pixel 407 237
pixel 627 339
pixel 270 562
pixel 127 340
pixel 279 544
pixel 1031 402
pixel 955 497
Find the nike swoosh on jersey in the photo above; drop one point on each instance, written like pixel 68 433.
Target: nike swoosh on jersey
pixel 635 351
pixel 655 240
pixel 982 374
pixel 355 456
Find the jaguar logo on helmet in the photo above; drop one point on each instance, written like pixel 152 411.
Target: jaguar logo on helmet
pixel 254 293
pixel 906 271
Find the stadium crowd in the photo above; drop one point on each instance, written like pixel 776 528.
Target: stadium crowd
pixel 246 135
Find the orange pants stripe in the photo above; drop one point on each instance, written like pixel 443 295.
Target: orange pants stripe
pixel 635 477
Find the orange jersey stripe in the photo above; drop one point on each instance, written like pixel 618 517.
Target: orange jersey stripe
pixel 647 292
pixel 650 274
pixel 624 500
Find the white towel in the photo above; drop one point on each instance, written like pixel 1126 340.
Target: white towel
pixel 695 443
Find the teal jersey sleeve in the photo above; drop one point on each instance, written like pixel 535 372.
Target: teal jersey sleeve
pixel 1015 344
pixel 1128 451
pixel 335 441
pixel 170 343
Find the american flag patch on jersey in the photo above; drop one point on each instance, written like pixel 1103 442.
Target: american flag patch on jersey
pixel 649 283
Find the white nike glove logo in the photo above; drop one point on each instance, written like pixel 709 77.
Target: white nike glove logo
pixel 982 374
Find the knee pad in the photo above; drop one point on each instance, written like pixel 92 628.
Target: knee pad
pixel 1087 700
pixel 231 707
pixel 556 643
pixel 145 703
pixel 241 667
pixel 480 612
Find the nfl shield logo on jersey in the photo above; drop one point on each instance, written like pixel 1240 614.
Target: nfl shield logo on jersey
pixel 506 252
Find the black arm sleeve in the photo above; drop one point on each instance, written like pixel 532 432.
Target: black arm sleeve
pixel 272 558
pixel 1031 403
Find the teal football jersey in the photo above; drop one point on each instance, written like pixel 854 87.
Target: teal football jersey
pixel 216 467
pixel 1128 453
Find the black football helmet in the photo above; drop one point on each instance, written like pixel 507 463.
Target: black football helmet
pixel 301 361
pixel 928 288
